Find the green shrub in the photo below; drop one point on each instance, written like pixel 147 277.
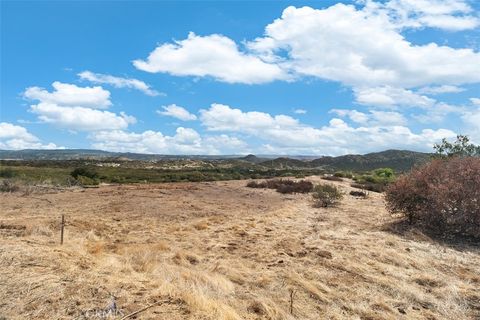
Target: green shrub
pixel 85 172
pixel 7 173
pixel 385 174
pixel 343 174
pixel 376 181
pixel 87 181
pixel 283 185
pixel 326 195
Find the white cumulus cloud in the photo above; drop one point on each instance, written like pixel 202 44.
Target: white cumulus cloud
pixel 360 48
pixel 433 90
pixel 65 94
pixel 80 118
pixel 373 117
pixel 452 15
pixel 387 96
pixel 178 112
pixel 215 55
pixel 119 82
pixel 76 108
pixel 17 138
pixel 184 141
pixel 283 134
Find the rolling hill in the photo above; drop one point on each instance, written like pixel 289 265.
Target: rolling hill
pixel 399 160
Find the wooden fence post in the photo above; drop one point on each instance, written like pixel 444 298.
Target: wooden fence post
pixel 62 227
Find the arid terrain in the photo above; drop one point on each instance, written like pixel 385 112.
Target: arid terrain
pixel 219 250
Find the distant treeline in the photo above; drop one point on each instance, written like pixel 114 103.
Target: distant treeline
pixel 65 172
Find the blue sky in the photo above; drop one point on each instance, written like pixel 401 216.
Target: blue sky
pixel 265 77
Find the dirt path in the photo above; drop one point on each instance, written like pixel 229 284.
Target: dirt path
pixel 223 251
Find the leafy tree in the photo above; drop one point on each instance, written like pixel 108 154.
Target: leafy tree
pixel 460 147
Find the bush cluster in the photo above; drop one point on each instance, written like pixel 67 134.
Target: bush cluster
pixel 7 173
pixel 85 176
pixel 343 174
pixel 361 194
pixel 326 195
pixel 375 187
pixel 8 185
pixel 376 181
pixel 332 178
pixel 443 194
pixel 283 185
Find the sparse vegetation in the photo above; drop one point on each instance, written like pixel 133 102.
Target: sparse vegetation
pixel 360 194
pixel 332 178
pixel 442 195
pixel 7 173
pixel 326 195
pixel 62 172
pixel 283 185
pixel 9 185
pixel 85 176
pixel 375 187
pixel 301 186
pixel 344 174
pixel 85 172
pixel 375 181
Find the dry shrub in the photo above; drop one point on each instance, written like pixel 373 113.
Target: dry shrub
pixel 301 186
pixel 283 185
pixel 326 195
pixel 370 186
pixel 255 184
pixel 332 178
pixel 443 195
pixel 8 185
pixel 361 194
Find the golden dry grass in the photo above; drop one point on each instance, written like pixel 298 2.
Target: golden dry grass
pixel 223 251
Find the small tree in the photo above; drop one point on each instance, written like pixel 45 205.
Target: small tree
pixel 326 195
pixel 460 147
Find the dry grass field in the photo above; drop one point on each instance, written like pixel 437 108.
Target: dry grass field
pixel 223 251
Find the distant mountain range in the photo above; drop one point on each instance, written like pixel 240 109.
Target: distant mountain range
pixel 79 154
pixel 399 160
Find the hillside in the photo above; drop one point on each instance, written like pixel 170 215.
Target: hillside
pixel 399 160
pixel 76 154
